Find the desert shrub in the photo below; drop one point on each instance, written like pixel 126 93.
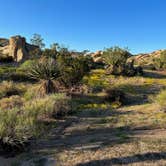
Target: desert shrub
pixel 32 92
pixel 27 65
pixel 35 53
pixel 19 124
pixel 52 53
pixel 9 88
pixel 160 63
pixel 61 107
pixel 115 58
pixel 115 96
pixel 117 63
pixel 72 69
pixel 5 70
pixel 45 71
pixel 19 76
pixel 161 99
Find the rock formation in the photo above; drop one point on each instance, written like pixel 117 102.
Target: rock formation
pixel 16 47
pixel 97 56
pixel 147 58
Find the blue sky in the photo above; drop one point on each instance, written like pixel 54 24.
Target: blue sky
pixel 88 24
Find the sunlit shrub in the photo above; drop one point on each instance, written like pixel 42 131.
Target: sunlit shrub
pixel 161 99
pixel 27 65
pixel 160 62
pixel 72 69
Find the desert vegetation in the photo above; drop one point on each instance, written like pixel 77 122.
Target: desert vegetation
pixel 68 105
pixel 160 62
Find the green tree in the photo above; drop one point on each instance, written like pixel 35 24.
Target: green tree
pixel 72 69
pixel 52 53
pixel 54 46
pixel 116 58
pixel 37 40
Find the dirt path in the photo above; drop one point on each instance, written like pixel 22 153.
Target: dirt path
pixel 80 139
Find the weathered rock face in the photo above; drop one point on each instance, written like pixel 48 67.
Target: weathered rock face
pixel 147 59
pixel 97 56
pixel 16 47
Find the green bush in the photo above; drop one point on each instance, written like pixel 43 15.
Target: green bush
pixel 72 69
pixel 5 70
pixel 161 99
pixel 51 53
pixel 27 65
pixel 115 95
pixel 116 58
pixel 118 62
pixel 19 76
pixel 160 63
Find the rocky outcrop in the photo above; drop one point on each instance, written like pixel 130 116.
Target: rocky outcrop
pixel 147 59
pixel 97 56
pixel 16 47
pixel 3 42
pixel 154 54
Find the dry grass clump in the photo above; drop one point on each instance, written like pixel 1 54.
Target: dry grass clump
pixel 20 122
pixel 11 102
pixel 9 88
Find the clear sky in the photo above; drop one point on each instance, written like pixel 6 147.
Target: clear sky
pixel 88 24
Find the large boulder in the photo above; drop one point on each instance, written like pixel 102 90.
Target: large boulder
pixel 16 47
pixel 97 56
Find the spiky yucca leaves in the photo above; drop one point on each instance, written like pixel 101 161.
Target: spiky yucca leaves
pixel 46 71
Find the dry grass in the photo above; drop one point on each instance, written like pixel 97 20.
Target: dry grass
pixel 100 134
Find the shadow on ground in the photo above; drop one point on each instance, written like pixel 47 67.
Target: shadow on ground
pixel 154 74
pixel 127 160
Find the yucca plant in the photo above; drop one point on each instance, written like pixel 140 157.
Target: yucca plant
pixel 45 71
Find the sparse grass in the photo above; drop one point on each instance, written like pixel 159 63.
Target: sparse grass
pixel 21 121
pixel 115 132
pixel 161 99
pixel 9 88
pixel 11 102
pixel 6 70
